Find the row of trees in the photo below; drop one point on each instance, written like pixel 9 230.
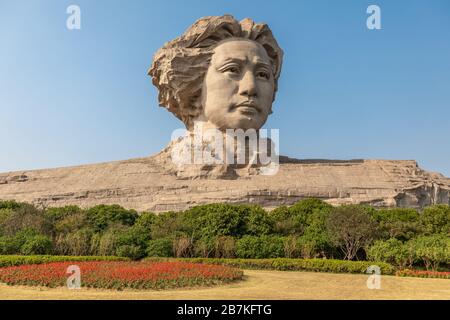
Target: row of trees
pixel 310 228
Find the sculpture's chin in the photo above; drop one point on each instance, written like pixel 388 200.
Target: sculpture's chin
pixel 243 122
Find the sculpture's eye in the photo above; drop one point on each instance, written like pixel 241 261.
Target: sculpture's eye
pixel 263 74
pixel 232 69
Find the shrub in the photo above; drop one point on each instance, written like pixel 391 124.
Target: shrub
pixel 166 224
pixel 136 236
pixel 291 247
pixel 146 220
pixel 16 260
pixel 283 222
pixel 392 251
pixel 225 247
pixel 216 220
pixel 107 243
pixel 260 247
pixel 59 213
pixel 183 247
pixel 160 248
pixel 436 219
pixel 26 216
pixel 130 251
pixel 10 204
pixel 70 222
pixel 296 219
pixel 101 216
pixel 399 223
pixel 257 221
pixel 433 250
pixel 76 243
pixel 7 246
pixel 38 244
pixel 218 247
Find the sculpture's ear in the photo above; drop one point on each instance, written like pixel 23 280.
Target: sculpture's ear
pixel 196 102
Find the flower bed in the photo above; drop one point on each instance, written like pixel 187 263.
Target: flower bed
pixel 120 275
pixel 423 274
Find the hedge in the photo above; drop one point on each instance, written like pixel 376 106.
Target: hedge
pixel 15 260
pixel 285 264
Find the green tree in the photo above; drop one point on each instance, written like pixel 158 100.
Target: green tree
pixel 268 246
pixel 351 228
pixel 38 244
pixel 436 219
pixel 433 250
pixel 399 223
pixel 26 216
pixel 219 220
pixel 101 216
pixel 392 251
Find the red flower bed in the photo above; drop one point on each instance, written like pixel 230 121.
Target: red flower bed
pixel 423 274
pixel 120 275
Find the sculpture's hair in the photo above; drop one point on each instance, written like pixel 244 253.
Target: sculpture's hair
pixel 179 67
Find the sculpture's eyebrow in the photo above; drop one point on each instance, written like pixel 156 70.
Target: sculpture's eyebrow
pixel 258 62
pixel 228 60
pixel 262 63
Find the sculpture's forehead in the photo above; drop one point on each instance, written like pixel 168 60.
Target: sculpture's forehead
pixel 241 49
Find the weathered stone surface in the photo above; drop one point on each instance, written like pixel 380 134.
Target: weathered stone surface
pixel 147 184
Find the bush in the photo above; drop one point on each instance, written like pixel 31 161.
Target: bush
pixel 101 216
pixel 39 244
pixel 183 247
pixel 257 221
pixel 216 220
pixel 398 223
pixel 10 204
pixel 59 213
pixel 433 250
pixel 260 247
pixel 26 216
pixel 392 251
pixel 130 251
pixel 436 219
pixel 296 219
pixel 75 243
pixel 7 246
pixel 166 224
pixel 284 223
pixel 15 260
pixel 160 248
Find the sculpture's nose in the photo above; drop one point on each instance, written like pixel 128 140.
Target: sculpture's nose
pixel 247 85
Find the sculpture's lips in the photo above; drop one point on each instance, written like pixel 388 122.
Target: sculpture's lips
pixel 249 106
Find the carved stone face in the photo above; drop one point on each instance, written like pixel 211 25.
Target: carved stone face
pixel 238 88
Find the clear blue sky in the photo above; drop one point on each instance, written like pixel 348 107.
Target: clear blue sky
pixel 76 97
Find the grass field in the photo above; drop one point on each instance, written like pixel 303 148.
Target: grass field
pixel 264 285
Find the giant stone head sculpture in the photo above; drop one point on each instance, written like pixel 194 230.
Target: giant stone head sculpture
pixel 220 72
